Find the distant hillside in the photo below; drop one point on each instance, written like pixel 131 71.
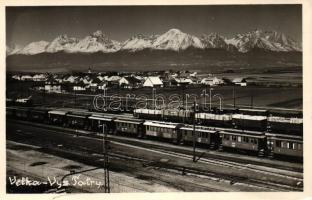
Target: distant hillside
pixel 148 59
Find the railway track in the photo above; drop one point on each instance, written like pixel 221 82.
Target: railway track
pixel 190 170
pixel 202 153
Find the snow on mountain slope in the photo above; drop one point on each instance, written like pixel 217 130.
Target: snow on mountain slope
pixel 62 43
pixel 267 40
pixel 96 42
pixel 176 40
pixel 137 42
pixel 34 48
pixel 214 40
pixel 13 50
pixel 173 39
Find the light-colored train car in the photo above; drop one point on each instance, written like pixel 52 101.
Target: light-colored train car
pixel 245 140
pixel 129 126
pixel 203 135
pixel 163 130
pixel 285 145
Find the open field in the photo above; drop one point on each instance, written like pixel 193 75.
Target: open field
pixel 279 97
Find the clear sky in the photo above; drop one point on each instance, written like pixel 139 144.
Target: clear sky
pixel 28 24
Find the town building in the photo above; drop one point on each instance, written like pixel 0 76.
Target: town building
pixel 153 81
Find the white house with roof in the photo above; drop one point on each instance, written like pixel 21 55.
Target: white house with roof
pixel 211 81
pixel 153 81
pixel 26 78
pixel 53 87
pixel 39 77
pixel 70 79
pixel 16 77
pixel 113 78
pixel 183 81
pixel 240 81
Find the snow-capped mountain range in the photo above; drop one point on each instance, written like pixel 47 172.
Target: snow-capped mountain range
pixel 173 39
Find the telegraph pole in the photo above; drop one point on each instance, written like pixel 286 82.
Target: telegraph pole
pixel 194 135
pixel 251 101
pixel 105 144
pixel 234 103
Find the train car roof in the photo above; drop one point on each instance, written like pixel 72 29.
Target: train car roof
pixel 249 117
pixel 162 124
pixel 292 120
pixel 102 117
pixel 245 133
pixel 285 136
pixel 199 128
pixel 129 120
pixel 142 110
pixel 252 110
pixel 58 112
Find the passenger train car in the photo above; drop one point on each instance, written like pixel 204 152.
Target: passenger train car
pixel 262 142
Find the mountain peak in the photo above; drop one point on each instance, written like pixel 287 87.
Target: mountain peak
pixel 98 33
pixel 174 31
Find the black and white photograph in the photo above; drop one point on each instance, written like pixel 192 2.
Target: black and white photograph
pixel 154 98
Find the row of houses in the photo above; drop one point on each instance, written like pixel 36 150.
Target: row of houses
pixel 94 82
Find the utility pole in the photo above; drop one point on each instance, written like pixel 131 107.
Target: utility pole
pixel 251 101
pixel 75 98
pixel 105 144
pixel 210 89
pixel 234 103
pixel 194 134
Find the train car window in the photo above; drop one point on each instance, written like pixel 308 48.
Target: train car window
pixel 299 146
pixel 278 143
pixel 234 137
pixel 251 140
pixel 256 141
pixel 289 145
pixel 226 137
pixel 239 139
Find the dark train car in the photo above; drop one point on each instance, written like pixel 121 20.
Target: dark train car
pixel 10 112
pixel 249 122
pixel 163 130
pixel 39 114
pixel 57 117
pixel 179 116
pixel 22 113
pixel 257 112
pixel 250 141
pixel 289 146
pixel 97 120
pixel 285 125
pixel 286 113
pixel 148 114
pixel 78 119
pixel 210 119
pixel 206 136
pixel 129 126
